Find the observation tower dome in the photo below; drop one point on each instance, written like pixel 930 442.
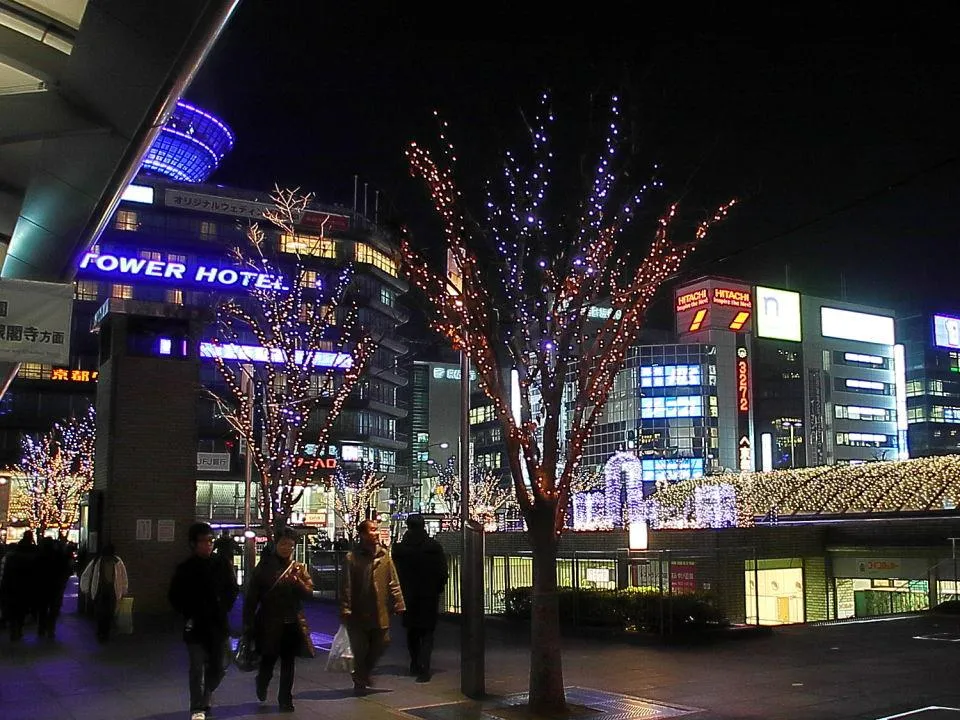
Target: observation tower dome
pixel 190 146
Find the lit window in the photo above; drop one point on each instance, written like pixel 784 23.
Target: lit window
pixel 34 371
pixel 208 230
pixel 126 220
pixel 85 290
pixel 387 296
pixel 174 297
pixel 372 256
pixel 303 244
pixel 150 255
pixel 308 279
pixel 121 292
pixel 670 375
pixel 171 258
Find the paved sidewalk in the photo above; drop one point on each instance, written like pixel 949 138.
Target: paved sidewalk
pixel 851 671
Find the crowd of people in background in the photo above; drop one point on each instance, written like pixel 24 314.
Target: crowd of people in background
pixel 374 582
pixel 33 578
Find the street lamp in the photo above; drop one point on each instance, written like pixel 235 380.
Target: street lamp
pixel 423 458
pixel 792 425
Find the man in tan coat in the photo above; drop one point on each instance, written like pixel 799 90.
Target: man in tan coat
pixel 369 583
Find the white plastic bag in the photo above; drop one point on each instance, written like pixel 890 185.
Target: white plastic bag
pixel 340 658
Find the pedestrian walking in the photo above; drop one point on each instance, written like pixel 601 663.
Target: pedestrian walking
pixel 273 615
pixel 105 582
pixel 17 584
pixel 422 568
pixel 369 584
pixel 203 590
pixel 53 568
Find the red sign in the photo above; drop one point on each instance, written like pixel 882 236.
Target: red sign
pixel 683 578
pixel 693 299
pixel 733 298
pixel 743 385
pixel 323 221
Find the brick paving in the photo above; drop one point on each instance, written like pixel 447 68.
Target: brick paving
pixel 905 667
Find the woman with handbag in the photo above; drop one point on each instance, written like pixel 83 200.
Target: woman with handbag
pixel 273 613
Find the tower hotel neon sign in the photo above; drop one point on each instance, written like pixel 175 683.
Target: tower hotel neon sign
pixel 208 275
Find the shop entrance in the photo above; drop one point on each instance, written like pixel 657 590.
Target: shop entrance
pixel 774 590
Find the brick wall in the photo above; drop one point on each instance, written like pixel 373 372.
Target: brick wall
pixel 146 466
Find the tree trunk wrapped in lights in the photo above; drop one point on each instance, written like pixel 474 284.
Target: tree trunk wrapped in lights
pixel 318 353
pixel 522 300
pixel 354 497
pixel 55 473
pixel 487 494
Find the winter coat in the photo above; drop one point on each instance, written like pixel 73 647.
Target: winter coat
pixel 90 580
pixel 369 581
pixel 269 605
pixel 422 567
pixel 203 590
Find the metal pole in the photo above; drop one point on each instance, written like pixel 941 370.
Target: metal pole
pixel 471 567
pixel 249 538
pixel 792 446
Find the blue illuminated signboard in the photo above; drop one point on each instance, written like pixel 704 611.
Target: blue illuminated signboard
pixel 946 331
pixel 208 275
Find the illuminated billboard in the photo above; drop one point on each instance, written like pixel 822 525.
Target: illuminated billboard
pixel 778 314
pixel 712 304
pixel 850 325
pixel 946 331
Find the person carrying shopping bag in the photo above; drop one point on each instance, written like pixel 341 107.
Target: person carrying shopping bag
pixel 273 614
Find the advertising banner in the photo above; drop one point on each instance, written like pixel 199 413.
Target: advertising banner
pixel 778 314
pixel 35 321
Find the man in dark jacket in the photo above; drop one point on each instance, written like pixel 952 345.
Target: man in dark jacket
pixel 422 567
pixel 203 590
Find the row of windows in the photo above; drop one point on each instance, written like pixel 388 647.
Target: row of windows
pixel 299 243
pixel 667 407
pixel 490 460
pixel 482 414
pixel 671 470
pixel 937 388
pixel 670 375
pixel 865 440
pixel 868 387
pixel 937 414
pixel 855 412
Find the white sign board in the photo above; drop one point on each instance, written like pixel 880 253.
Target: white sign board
pixel 165 530
pixel 144 529
pixel 862 327
pixel 213 462
pixel 778 314
pixel 35 321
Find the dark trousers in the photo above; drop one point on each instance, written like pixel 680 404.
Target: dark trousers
pixel 290 642
pixel 48 610
pixel 206 670
pixel 15 614
pixel 104 608
pixel 420 645
pixel 368 645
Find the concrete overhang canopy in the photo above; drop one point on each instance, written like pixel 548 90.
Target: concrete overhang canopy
pixel 85 85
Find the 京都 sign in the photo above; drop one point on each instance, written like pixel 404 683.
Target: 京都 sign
pixel 203 274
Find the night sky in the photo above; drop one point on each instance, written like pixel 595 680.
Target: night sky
pixel 837 128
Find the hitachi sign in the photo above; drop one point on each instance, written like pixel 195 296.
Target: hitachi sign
pixel 119 266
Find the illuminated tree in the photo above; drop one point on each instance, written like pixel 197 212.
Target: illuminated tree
pixel 55 473
pixel 523 285
pixel 315 352
pixel 354 497
pixel 487 494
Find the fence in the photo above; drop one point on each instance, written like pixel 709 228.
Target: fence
pixel 668 573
